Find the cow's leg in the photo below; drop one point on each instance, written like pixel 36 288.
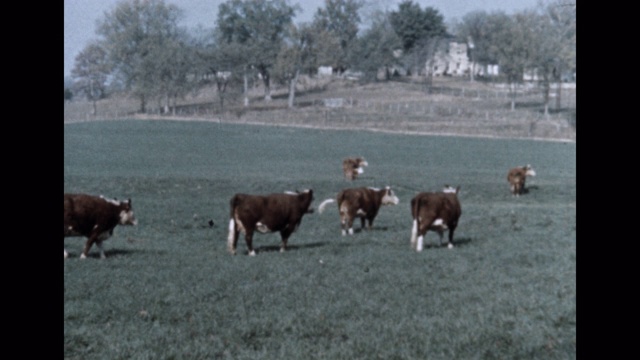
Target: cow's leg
pixel 362 223
pixel 414 233
pixel 232 237
pixel 451 230
pixel 440 236
pixel 422 232
pixel 284 234
pixel 99 245
pixel 350 225
pixel 92 238
pixel 249 239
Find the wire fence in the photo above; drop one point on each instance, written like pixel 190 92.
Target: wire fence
pixel 445 111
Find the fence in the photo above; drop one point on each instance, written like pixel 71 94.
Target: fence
pixel 445 111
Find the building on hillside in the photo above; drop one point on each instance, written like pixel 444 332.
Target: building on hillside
pixel 452 59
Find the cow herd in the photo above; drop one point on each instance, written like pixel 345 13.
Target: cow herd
pixel 95 217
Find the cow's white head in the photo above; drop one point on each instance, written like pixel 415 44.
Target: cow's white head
pixel 389 197
pixel 529 170
pixel 126 214
pixel 448 189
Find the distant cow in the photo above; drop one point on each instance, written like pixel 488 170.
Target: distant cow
pixel 361 202
pixel 94 217
pixel 517 177
pixel 268 213
pixel 352 167
pixel 435 211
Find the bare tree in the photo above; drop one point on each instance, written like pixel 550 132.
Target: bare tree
pixel 90 73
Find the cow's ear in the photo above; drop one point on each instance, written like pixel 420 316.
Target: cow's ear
pixel 129 201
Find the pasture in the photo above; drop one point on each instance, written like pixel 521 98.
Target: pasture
pixel 170 290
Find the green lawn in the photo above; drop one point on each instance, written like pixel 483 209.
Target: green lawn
pixel 170 290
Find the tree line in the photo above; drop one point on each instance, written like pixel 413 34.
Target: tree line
pixel 141 49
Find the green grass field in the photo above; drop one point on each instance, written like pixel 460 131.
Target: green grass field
pixel 170 290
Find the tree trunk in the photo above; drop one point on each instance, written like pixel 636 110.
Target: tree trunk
pixel 166 104
pixel 143 104
pixel 512 93
pixel 246 90
pixel 558 94
pixel 292 88
pixel 267 88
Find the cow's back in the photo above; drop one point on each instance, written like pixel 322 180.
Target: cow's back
pixel 79 214
pixel 82 212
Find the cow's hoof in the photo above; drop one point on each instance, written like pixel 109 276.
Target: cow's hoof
pixel 450 246
pixel 83 256
pixel 252 253
pixel 66 255
pixel 282 250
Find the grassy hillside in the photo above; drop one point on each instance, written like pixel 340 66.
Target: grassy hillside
pixel 169 289
pixel 448 106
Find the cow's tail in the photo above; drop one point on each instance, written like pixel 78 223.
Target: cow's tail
pixel 415 207
pixel 324 204
pixel 232 224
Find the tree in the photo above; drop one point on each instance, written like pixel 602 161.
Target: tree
pixel 294 56
pixel 339 18
pixel 258 28
pixel 68 94
pixel 411 23
pixel 375 48
pixel 136 34
pixel 90 73
pixel 416 27
pixel 509 41
pixel 474 30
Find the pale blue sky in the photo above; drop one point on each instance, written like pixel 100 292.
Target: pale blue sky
pixel 80 16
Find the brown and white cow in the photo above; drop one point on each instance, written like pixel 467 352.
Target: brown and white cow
pixel 364 202
pixel 435 211
pixel 352 167
pixel 517 177
pixel 267 213
pixel 94 217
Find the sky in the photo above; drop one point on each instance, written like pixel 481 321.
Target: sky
pixel 80 16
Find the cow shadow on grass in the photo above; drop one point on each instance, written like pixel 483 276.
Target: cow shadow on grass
pixel 290 247
pixel 458 242
pixel 113 253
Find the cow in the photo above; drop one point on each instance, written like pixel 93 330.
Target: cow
pixel 363 202
pixel 266 213
pixel 94 217
pixel 352 167
pixel 435 211
pixel 517 177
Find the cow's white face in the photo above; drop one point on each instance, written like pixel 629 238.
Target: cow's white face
pixel 390 198
pixel 127 218
pixel 530 172
pixel 448 189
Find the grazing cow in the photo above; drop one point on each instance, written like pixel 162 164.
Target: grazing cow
pixel 268 213
pixel 517 177
pixel 352 167
pixel 361 202
pixel 435 211
pixel 94 217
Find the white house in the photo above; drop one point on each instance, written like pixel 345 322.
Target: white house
pixel 452 59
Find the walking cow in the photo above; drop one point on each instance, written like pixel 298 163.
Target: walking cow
pixel 361 202
pixel 266 213
pixel 352 167
pixel 435 211
pixel 517 177
pixel 94 217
